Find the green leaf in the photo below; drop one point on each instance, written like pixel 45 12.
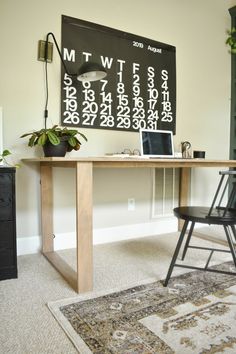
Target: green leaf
pixel 53 138
pixel 72 132
pixel 229 41
pixel 72 141
pixel 24 135
pixel 6 153
pixel 31 140
pixel 83 136
pixel 42 139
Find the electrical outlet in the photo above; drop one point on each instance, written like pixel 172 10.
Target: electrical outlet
pixel 131 204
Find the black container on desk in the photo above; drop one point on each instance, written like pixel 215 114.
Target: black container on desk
pixel 199 154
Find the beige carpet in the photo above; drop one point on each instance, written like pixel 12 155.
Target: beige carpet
pixel 27 326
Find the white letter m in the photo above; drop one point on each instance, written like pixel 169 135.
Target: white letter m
pixel 69 56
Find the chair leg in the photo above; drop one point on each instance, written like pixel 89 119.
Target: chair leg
pixel 230 242
pixel 188 240
pixel 176 252
pixel 234 231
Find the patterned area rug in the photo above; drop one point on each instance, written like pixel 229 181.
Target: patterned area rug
pixel 196 313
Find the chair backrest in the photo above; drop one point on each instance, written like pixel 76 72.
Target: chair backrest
pixel 220 193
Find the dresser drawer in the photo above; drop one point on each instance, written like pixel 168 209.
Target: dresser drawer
pixel 6 196
pixel 6 205
pixel 7 257
pixel 5 180
pixel 7 234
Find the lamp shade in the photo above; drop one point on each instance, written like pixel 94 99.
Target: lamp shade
pixel 90 71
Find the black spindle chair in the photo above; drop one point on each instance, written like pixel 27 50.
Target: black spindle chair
pixel 216 214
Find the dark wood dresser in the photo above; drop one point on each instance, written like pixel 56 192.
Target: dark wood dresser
pixel 8 257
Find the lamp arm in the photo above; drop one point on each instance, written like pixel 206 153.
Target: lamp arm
pixel 58 50
pixel 64 65
pixel 87 72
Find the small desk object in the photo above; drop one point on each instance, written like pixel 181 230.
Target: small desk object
pixel 82 279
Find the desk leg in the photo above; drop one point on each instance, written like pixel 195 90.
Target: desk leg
pixel 46 208
pixel 84 226
pixel 185 174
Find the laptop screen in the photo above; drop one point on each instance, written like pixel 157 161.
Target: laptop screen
pixel 156 143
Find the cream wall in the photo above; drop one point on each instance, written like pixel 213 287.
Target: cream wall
pixel 196 28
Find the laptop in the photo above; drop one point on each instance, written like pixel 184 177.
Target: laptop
pixel 156 143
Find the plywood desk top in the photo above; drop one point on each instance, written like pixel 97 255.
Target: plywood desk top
pixel 120 162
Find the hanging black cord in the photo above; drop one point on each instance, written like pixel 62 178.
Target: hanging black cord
pixel 46 85
pixel 46 73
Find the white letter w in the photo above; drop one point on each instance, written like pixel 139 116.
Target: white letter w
pixel 106 62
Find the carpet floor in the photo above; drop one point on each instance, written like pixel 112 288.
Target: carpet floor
pixel 27 326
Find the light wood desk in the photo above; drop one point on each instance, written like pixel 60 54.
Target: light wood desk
pixel 82 279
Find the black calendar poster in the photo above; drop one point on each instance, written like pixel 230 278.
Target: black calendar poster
pixel 139 90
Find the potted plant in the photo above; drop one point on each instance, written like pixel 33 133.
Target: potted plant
pixel 4 161
pixel 231 40
pixel 56 141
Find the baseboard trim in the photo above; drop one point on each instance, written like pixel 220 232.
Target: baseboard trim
pixel 29 245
